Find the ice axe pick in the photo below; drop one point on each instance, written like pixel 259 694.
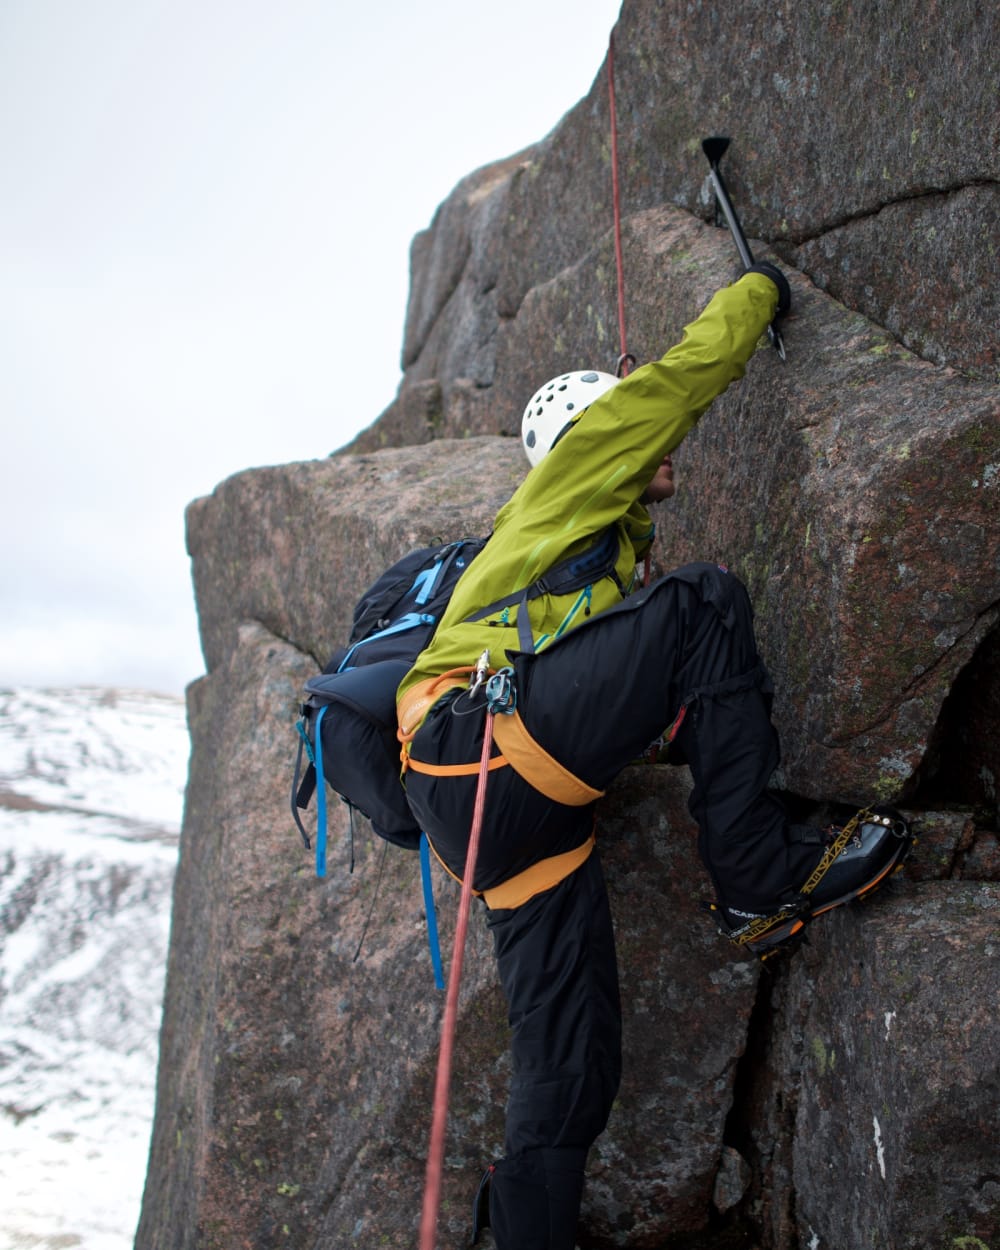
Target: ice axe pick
pixel 715 148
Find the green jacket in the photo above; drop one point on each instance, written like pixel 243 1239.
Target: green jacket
pixel 593 478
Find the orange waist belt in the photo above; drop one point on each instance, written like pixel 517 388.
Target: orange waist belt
pixel 529 760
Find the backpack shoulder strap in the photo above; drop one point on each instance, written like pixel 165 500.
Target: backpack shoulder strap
pixel 572 573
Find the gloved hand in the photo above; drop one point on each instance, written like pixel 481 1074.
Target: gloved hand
pixel 780 281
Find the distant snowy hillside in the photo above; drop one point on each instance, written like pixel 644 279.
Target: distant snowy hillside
pixel 91 794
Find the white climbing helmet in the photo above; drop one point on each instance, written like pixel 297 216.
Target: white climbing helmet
pixel 554 408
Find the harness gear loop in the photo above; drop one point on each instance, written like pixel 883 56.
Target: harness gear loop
pixel 418 701
pixel 435 1152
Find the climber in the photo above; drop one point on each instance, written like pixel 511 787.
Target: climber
pixel 596 676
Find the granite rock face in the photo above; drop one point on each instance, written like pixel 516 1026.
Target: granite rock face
pixel 843 1099
pixel 880 1078
pixel 865 154
pixel 296 1075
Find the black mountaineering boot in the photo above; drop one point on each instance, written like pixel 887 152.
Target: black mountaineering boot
pixel 857 858
pixel 879 842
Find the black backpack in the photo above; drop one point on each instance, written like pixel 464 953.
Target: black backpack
pixel 347 725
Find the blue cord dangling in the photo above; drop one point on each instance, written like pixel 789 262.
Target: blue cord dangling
pixel 429 910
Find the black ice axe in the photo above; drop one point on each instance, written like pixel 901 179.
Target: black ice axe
pixel 715 149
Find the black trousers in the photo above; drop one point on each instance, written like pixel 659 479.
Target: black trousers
pixel 596 700
pixel 556 958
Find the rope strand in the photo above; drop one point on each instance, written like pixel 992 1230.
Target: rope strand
pixel 435 1152
pixel 626 360
pixel 623 359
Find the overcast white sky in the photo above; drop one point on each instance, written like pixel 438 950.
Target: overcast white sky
pixel 206 208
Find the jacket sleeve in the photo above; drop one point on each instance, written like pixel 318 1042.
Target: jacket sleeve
pixel 604 463
pixel 596 473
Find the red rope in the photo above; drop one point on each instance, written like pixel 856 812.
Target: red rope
pixel 616 200
pixel 435 1151
pixel 625 358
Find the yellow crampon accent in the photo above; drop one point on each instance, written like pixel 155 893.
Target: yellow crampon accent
pixel 764 924
pixel 835 847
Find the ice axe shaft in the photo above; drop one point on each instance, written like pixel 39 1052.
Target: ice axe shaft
pixel 715 148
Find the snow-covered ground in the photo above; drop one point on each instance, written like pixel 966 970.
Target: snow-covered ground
pixel 91 792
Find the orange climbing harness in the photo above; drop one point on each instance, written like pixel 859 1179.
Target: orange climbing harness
pixel 518 748
pixel 528 758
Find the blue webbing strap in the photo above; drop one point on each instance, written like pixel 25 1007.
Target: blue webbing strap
pixel 432 928
pixel 320 798
pixel 425 856
pixel 427 581
pixel 410 621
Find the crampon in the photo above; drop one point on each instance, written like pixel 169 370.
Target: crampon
pixel 859 858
